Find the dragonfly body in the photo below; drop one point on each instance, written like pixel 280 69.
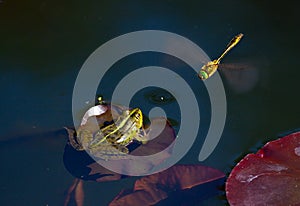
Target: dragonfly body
pixel 211 67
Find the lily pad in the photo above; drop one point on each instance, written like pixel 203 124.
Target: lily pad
pixel 269 177
pixel 82 166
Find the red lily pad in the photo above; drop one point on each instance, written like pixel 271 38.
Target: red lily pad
pixel 269 177
pixel 178 185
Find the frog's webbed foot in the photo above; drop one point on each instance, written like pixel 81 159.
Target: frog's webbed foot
pixel 121 148
pixel 73 140
pixel 74 143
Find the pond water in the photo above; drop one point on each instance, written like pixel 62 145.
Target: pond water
pixel 45 43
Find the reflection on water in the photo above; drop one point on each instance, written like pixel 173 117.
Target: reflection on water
pixel 159 96
pixel 44 44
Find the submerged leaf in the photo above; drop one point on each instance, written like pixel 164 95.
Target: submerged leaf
pixel 177 181
pixel 269 177
pixel 75 193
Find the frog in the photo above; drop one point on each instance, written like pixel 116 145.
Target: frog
pixel 111 141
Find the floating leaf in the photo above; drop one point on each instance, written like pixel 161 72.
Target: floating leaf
pixel 269 177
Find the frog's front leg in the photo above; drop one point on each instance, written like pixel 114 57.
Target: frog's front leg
pixel 142 136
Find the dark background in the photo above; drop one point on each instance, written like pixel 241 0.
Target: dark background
pixel 43 45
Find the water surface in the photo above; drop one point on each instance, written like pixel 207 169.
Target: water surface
pixel 44 44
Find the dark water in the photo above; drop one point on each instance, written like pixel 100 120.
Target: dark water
pixel 45 43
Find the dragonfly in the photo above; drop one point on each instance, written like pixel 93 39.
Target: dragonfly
pixel 211 67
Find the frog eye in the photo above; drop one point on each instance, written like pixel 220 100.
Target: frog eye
pixel 202 75
pixel 137 115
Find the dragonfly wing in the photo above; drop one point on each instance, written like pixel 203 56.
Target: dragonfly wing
pixel 234 66
pixel 240 77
